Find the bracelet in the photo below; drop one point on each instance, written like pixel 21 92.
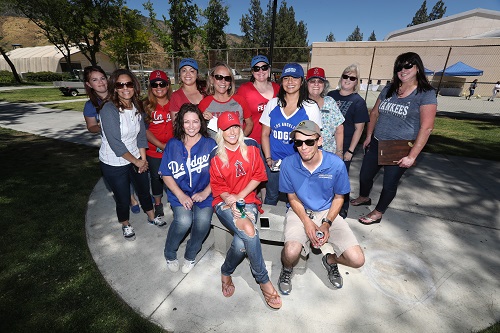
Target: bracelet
pixel 339 151
pixel 349 151
pixel 268 158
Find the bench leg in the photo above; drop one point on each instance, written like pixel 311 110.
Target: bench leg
pixel 222 240
pixel 301 266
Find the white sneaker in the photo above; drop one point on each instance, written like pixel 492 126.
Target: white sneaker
pixel 173 265
pixel 157 221
pixel 187 266
pixel 128 232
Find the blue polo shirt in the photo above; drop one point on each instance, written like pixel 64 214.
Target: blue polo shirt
pixel 315 190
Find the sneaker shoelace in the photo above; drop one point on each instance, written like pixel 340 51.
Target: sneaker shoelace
pixel 285 276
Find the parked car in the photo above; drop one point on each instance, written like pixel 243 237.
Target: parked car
pixel 70 88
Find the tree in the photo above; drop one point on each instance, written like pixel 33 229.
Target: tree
pixel 51 16
pixel 161 32
pixel 420 16
pixel 437 11
pixel 372 37
pixel 330 37
pixel 125 42
pixel 255 26
pixel 3 52
pixel 217 18
pixel 73 22
pixel 183 24
pixel 290 35
pixel 355 36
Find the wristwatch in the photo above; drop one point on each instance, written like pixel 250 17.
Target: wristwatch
pixel 325 220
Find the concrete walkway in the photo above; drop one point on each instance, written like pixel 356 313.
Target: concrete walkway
pixel 432 265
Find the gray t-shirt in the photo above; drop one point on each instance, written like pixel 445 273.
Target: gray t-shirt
pixel 399 118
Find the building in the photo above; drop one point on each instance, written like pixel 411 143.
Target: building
pixel 471 37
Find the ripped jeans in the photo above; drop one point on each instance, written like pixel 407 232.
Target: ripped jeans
pixel 242 245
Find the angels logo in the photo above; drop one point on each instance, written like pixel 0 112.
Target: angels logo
pixel 230 116
pixel 239 169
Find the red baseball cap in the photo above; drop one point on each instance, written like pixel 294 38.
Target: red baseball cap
pixel 158 75
pixel 316 72
pixel 228 119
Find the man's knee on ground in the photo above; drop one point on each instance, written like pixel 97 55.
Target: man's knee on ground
pixel 355 256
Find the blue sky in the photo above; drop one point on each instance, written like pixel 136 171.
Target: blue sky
pixel 339 17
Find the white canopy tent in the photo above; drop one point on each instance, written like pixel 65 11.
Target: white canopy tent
pixel 49 59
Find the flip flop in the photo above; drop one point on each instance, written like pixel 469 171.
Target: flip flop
pixel 228 287
pixel 270 297
pixel 135 209
pixel 364 203
pixel 368 220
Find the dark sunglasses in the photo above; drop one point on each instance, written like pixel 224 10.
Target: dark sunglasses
pixel 258 68
pixel 308 142
pixel 159 84
pixel 121 85
pixel 399 68
pixel 219 77
pixel 352 78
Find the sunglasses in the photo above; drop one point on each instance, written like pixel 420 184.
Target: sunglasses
pixel 258 68
pixel 159 84
pixel 308 142
pixel 219 77
pixel 399 68
pixel 352 78
pixel 122 85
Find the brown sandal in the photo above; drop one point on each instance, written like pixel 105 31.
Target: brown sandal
pixel 354 202
pixel 228 287
pixel 270 297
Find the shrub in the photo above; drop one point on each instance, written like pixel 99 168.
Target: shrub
pixel 46 76
pixel 6 77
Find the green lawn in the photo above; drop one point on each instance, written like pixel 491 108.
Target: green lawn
pixel 466 137
pixel 33 95
pixel 48 279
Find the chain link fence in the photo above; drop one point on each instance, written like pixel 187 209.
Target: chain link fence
pixel 376 64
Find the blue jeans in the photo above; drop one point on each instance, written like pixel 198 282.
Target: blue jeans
pixel 242 245
pixel 156 181
pixel 198 219
pixel 118 179
pixel 345 205
pixel 370 168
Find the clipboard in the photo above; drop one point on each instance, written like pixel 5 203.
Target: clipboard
pixel 391 151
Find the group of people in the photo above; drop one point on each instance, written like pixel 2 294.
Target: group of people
pixel 292 141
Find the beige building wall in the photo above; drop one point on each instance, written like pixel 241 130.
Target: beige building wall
pixel 483 54
pixel 470 24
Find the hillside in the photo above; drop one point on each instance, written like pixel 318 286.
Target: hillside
pixel 19 30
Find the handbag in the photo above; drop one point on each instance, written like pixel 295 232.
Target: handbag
pixel 391 151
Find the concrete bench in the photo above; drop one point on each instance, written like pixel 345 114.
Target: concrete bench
pixel 274 235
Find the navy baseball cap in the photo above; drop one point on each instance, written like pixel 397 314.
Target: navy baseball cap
pixel 259 58
pixel 188 62
pixel 293 69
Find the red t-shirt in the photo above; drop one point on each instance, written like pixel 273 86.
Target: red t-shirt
pixel 177 99
pixel 256 102
pixel 236 176
pixel 162 128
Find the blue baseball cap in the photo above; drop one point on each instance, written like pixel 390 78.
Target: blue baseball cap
pixel 293 69
pixel 188 62
pixel 259 58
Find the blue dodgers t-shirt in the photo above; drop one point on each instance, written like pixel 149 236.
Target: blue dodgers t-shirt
pixel 317 189
pixel 191 175
pixel 399 118
pixel 282 125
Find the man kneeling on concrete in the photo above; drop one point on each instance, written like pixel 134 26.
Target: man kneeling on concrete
pixel 315 182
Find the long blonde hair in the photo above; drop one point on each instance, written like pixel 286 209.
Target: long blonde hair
pixel 221 148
